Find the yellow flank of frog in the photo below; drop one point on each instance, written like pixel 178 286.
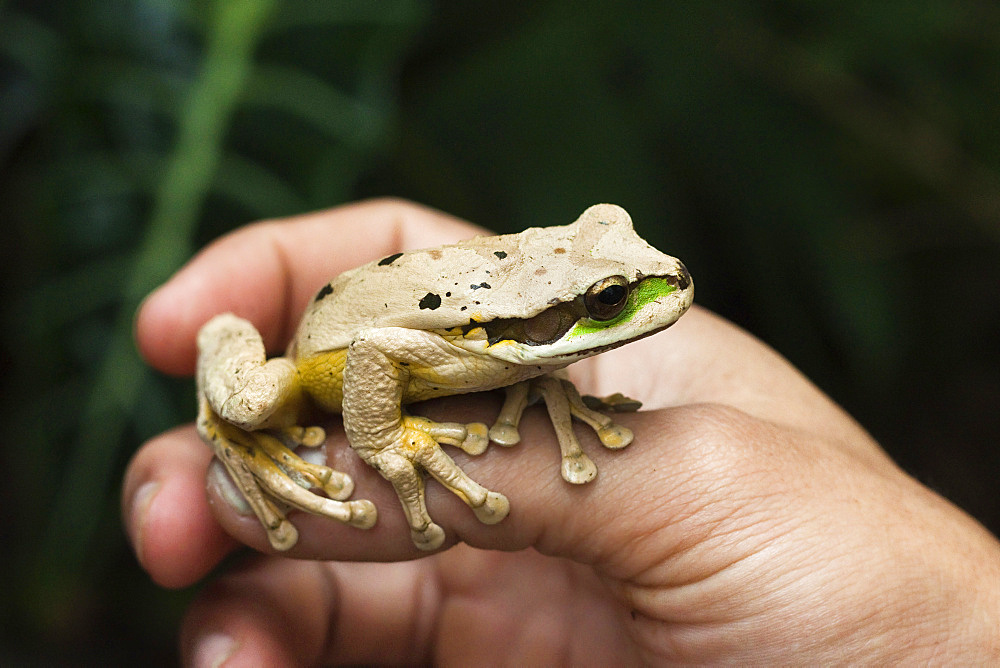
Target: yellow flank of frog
pixel 322 377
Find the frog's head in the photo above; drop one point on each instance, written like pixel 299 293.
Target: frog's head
pixel 605 287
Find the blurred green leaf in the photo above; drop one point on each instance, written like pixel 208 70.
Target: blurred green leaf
pixel 341 117
pixel 261 192
pixel 31 44
pixel 129 133
pixel 340 13
pixel 188 174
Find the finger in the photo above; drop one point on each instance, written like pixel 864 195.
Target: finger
pixel 267 272
pixel 527 474
pixel 546 512
pixel 454 609
pixel 282 612
pixel 167 519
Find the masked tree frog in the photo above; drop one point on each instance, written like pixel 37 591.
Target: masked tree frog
pixel 504 311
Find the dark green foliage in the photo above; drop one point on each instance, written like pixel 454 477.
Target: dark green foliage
pixel 133 131
pixel 830 172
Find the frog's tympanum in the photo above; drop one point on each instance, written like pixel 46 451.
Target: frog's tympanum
pixel 504 311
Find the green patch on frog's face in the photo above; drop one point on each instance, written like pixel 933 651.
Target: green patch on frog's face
pixel 647 291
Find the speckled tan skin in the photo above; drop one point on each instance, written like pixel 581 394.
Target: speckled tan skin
pixel 506 311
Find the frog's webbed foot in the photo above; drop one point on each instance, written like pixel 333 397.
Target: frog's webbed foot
pixel 272 477
pixel 417 448
pixel 381 363
pixel 564 402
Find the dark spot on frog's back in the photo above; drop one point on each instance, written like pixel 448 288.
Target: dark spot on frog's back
pixel 389 260
pixel 430 301
pixel 483 285
pixel 500 254
pixel 326 291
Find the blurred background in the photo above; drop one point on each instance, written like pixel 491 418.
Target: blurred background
pixel 830 172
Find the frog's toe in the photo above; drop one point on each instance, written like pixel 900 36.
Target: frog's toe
pixel 472 437
pixel 615 436
pixel 363 514
pixel 616 402
pixel 494 509
pixel 282 537
pixel 476 439
pixel 310 437
pixel 505 434
pixel 339 486
pixel 307 467
pixel 271 477
pixel 429 538
pixel 578 469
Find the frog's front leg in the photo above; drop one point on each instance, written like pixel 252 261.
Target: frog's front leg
pixel 563 402
pixel 382 366
pixel 247 407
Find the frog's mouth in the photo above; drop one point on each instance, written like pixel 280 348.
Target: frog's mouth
pixel 590 352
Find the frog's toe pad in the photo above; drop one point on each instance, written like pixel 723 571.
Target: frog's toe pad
pixel 339 486
pixel 578 469
pixel 283 536
pixel 505 434
pixel 363 514
pixel 428 539
pixel 494 509
pixel 310 437
pixel 615 436
pixel 476 439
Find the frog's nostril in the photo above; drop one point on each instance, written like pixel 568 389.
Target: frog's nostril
pixel 683 276
pixel 681 280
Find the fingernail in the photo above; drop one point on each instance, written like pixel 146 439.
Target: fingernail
pixel 213 650
pixel 218 479
pixel 142 501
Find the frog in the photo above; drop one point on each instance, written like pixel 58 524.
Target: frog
pixel 506 312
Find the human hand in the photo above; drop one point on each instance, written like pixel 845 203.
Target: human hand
pixel 750 521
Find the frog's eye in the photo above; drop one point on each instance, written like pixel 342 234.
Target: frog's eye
pixel 606 298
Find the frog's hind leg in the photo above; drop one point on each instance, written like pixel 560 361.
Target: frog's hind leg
pixel 247 405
